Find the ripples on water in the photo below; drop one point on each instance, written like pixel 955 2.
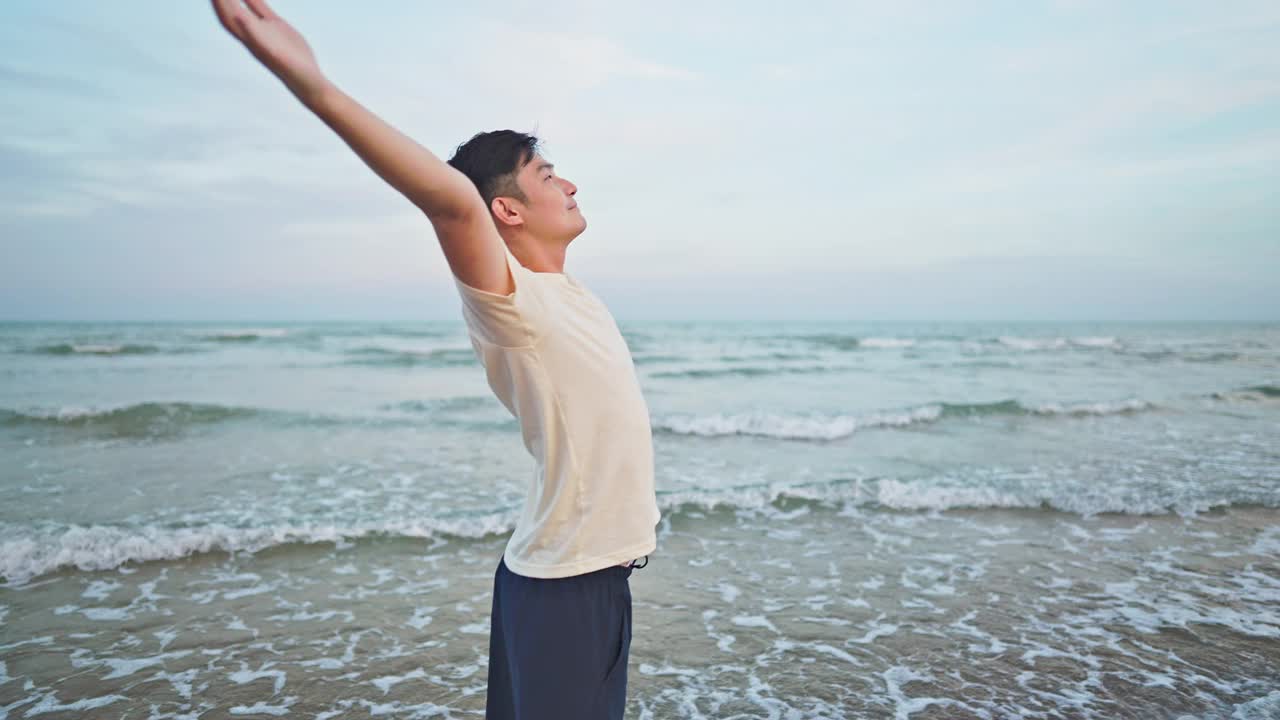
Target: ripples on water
pixel 884 521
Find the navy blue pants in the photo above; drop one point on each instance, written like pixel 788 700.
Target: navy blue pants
pixel 558 647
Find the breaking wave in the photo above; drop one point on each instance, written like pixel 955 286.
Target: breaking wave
pixel 73 349
pixel 29 554
pixel 395 357
pixel 832 427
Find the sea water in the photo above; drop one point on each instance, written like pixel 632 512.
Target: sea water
pixel 859 520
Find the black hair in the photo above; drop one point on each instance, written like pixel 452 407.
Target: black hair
pixel 492 159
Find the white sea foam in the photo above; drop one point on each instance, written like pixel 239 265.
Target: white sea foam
pixel 827 656
pixel 124 667
pixel 878 342
pixel 1019 343
pixel 836 426
pixel 877 629
pixel 898 676
pixel 100 589
pixel 91 349
pixel 648 669
pixel 760 497
pixel 754 621
pixel 918 496
pixel 29 554
pixel 386 682
pixel 305 616
pixel 1095 408
pixel 1056 343
pixel 182 682
pixel 262 708
pixel 1266 707
pixel 66 412
pixel 101 548
pixel 1267 542
pixel 1138 608
pixel 49 703
pixel 1103 341
pixel 728 592
pixel 242 333
pixel 790 427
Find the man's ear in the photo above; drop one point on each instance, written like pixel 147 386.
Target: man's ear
pixel 506 211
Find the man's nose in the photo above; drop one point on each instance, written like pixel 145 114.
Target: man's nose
pixel 570 187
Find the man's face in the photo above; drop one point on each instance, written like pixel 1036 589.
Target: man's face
pixel 551 210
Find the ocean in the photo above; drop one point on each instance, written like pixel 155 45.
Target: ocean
pixel 890 520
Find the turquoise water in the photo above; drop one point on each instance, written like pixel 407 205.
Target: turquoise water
pixel 895 471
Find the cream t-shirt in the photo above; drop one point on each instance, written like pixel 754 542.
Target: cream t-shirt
pixel 554 356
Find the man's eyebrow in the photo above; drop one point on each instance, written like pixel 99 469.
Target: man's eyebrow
pixel 546 166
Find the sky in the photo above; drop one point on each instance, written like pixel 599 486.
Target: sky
pixel 861 161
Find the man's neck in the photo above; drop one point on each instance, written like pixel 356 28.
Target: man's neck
pixel 538 257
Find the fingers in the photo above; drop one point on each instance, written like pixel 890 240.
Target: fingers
pixel 231 15
pixel 220 10
pixel 260 8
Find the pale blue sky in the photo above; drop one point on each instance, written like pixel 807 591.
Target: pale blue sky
pixel 845 160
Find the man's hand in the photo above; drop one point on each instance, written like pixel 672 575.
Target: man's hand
pixel 275 43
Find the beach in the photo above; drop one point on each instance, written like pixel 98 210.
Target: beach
pixel 898 520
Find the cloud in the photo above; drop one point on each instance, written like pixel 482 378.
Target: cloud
pixel 15 78
pixel 149 149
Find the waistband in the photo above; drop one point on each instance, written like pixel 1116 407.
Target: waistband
pixel 624 570
pixel 611 571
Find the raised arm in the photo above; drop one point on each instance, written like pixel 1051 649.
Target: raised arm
pixel 467 235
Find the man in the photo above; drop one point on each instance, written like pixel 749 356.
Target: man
pixel 553 355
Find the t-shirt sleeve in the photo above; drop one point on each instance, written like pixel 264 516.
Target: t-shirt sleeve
pixel 502 320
